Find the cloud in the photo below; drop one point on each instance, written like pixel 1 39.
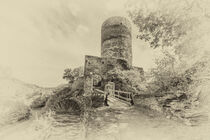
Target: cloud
pixel 40 38
pixel 75 8
pixel 81 29
pixel 5 72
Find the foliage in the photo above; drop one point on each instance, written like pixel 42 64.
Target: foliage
pixel 179 29
pixel 164 73
pixel 127 80
pixel 158 29
pixel 68 98
pixel 162 27
pixel 170 23
pixel 73 74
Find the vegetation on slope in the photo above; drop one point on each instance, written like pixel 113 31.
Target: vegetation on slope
pixel 180 35
pixel 16 97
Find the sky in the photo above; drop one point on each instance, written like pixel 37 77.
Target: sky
pixel 40 38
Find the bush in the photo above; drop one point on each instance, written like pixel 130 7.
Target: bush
pixel 39 102
pixel 127 80
pixel 73 74
pixel 68 99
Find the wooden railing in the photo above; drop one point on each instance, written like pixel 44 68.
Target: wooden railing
pixel 117 94
pixel 98 92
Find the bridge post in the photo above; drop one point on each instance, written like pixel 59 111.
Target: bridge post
pixel 110 87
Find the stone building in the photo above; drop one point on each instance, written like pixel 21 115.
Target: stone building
pixel 116 52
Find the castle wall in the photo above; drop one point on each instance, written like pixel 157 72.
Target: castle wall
pixel 118 48
pixel 92 65
pixel 95 71
pixel 116 52
pixel 91 70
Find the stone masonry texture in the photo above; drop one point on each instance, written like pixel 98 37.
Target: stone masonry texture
pixel 116 40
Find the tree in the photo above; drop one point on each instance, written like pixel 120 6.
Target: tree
pixel 164 25
pixel 169 25
pixel 167 76
pixel 73 74
pixel 181 73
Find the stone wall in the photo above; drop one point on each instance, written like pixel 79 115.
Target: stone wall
pixel 92 65
pixel 91 70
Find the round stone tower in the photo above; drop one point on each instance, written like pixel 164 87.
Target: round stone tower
pixel 116 39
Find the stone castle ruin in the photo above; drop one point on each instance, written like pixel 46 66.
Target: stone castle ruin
pixel 116 52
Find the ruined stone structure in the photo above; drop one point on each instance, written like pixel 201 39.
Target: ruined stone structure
pixel 116 40
pixel 116 52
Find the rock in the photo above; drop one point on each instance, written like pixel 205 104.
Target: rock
pixel 39 102
pixel 181 96
pixel 69 99
pixel 187 122
pixel 97 100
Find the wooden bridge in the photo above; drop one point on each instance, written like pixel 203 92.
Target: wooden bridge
pixel 116 96
pixel 122 96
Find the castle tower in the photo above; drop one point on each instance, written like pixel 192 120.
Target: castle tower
pixel 116 39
